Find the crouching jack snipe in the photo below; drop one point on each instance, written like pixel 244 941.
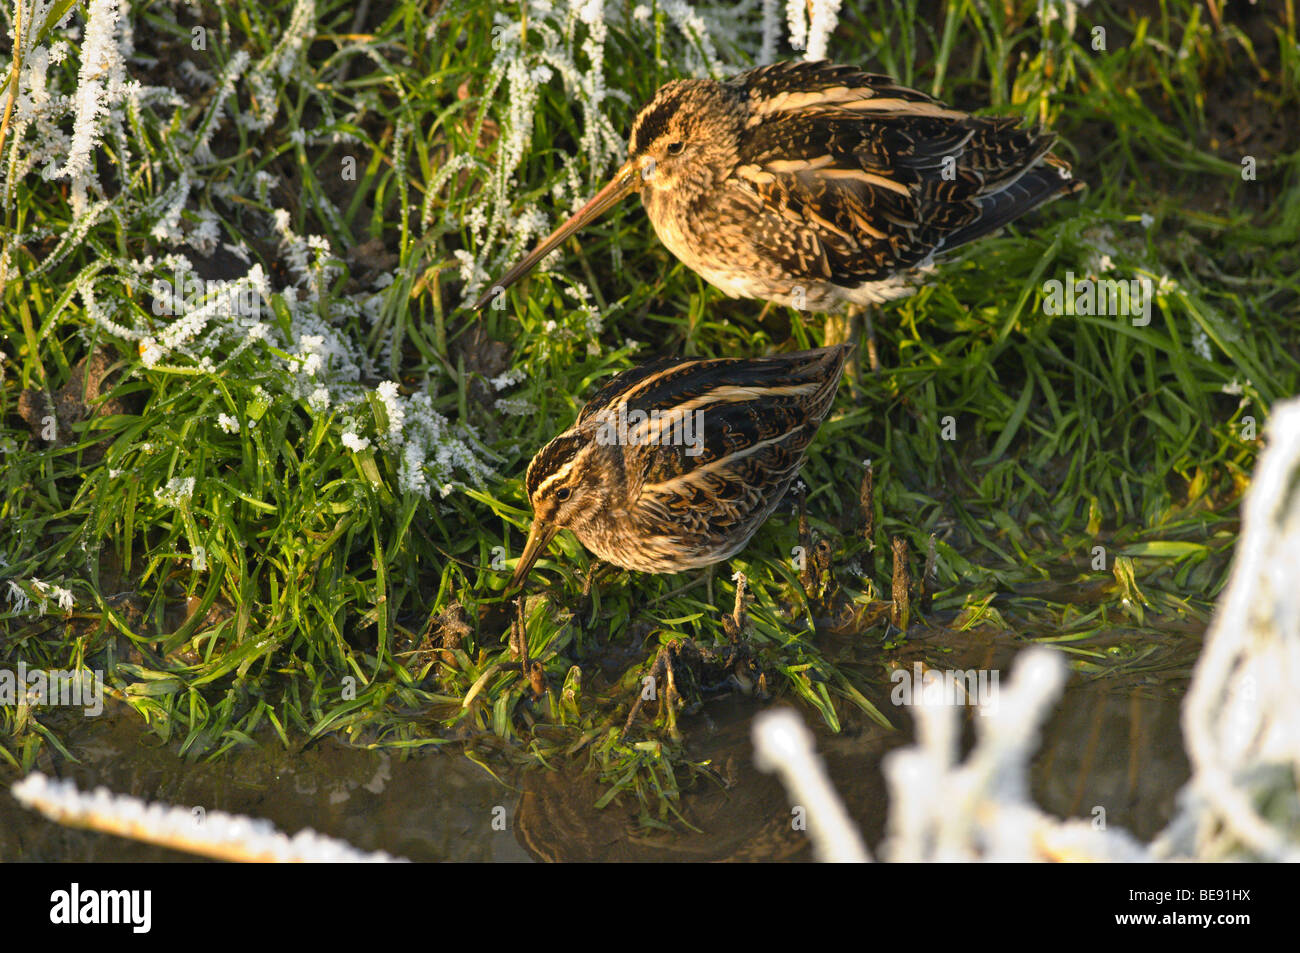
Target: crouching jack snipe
pixel 816 185
pixel 675 464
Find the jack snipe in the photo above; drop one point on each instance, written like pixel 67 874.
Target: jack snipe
pixel 675 464
pixel 815 185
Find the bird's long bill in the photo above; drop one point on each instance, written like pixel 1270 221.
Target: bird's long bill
pixel 627 179
pixel 539 537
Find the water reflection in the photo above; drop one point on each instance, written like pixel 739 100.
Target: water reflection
pixel 1113 743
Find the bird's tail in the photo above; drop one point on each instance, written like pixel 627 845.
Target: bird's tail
pixel 1049 179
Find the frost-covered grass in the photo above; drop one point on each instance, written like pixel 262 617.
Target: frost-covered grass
pixel 304 461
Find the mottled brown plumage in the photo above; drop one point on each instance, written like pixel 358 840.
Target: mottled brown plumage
pixel 675 464
pixel 815 185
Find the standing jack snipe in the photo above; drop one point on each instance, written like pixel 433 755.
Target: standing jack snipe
pixel 815 185
pixel 675 464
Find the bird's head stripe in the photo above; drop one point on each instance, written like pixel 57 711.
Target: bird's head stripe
pixel 650 125
pixel 559 476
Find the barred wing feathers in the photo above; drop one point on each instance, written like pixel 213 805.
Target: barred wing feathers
pixel 751 423
pixel 856 178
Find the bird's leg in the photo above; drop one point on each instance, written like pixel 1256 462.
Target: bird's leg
pixel 864 318
pixel 835 331
pixel 859 320
pixel 853 335
pixel 847 328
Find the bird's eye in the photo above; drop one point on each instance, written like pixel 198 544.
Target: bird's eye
pixel 562 494
pixel 675 148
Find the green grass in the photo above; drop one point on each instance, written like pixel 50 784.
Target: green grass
pixel 302 587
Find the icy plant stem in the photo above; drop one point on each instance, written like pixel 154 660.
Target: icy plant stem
pixel 4 132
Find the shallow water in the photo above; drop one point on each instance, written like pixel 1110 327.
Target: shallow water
pixel 1112 741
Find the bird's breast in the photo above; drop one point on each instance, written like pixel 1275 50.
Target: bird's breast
pixel 711 238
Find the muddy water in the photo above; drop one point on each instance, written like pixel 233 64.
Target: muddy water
pixel 1113 742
